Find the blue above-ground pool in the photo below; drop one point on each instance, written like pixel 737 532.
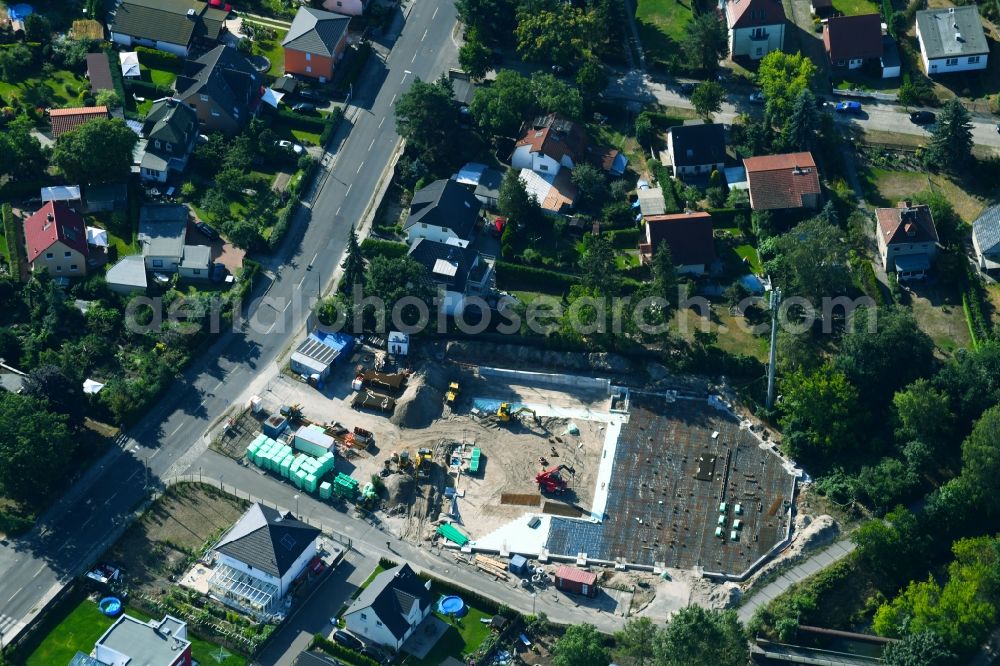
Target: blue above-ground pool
pixel 110 606
pixel 452 605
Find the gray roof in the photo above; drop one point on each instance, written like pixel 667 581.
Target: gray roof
pixel 152 643
pixel 651 201
pixel 81 659
pixel 107 192
pixel 10 381
pixel 391 597
pixel 698 144
pixel 445 203
pixel 986 229
pixel 167 20
pixel 150 160
pixel 435 256
pixel 951 32
pixel 197 256
pixel 316 31
pixel 99 72
pixel 314 349
pixel 162 228
pixel 171 121
pixel 224 75
pixel 267 540
pixel 489 184
pixel 130 271
pixel 314 659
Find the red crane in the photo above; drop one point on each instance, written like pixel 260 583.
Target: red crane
pixel 549 480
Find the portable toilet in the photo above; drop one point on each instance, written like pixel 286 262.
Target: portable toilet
pixel 519 565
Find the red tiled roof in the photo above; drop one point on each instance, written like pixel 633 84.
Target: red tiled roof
pixel 63 120
pixel 853 37
pixel 689 236
pixel 906 224
pixel 781 181
pixel 55 221
pixel 576 575
pixel 555 137
pixel 754 13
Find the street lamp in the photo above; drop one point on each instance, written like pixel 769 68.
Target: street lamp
pixel 296 506
pixel 534 596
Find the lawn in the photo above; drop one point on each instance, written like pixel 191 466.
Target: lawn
pixel 58 83
pixel 661 26
pixel 465 635
pixel 855 7
pixel 749 252
pixel 734 333
pixel 273 51
pixel 85 624
pixel 885 188
pixel 160 77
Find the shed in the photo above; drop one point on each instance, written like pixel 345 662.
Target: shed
pixel 128 275
pixel 576 581
pixel 398 343
pixel 274 425
pixel 109 197
pixel 319 352
pixel 313 441
pixel 99 72
pixel 519 565
pixel 488 189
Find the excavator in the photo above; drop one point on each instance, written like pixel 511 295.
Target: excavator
pixel 504 414
pixel 549 480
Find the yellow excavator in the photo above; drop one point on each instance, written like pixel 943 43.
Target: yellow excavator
pixel 452 395
pixel 504 414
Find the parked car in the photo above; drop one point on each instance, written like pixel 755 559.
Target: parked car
pixel 348 641
pixel 304 107
pixel 686 88
pixel 288 145
pixel 848 107
pixel 757 97
pixel 374 655
pixel 207 230
pixel 922 117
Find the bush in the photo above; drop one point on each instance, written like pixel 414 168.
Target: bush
pixel 147 89
pixel 159 59
pixel 280 227
pixel 374 247
pixel 623 239
pixel 340 652
pixel 516 276
pixel 10 234
pixel 331 125
pixel 302 121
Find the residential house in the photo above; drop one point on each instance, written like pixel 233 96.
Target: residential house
pixel 315 43
pixel 488 188
pixel 651 201
pixel 548 144
pixel 611 160
pixel 756 27
pixel 259 557
pixel 348 7
pixel 986 239
pixel 689 236
pixel 171 131
pixel 174 26
pixel 99 72
pixel 440 211
pixel 952 39
pixel 696 149
pixel 56 240
pixel 783 182
pixel 391 608
pixel 222 87
pixel 851 41
pixel 64 120
pixel 128 276
pixel 129 642
pixel 162 229
pixel 196 262
pixel 907 239
pixel 456 269
pixel 555 193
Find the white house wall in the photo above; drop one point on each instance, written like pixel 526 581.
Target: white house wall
pixel 941 66
pixel 248 570
pixel 740 43
pixel 297 567
pixel 430 232
pixel 371 627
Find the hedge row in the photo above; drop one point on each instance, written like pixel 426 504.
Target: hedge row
pixel 529 278
pixel 282 223
pixel 302 121
pixel 147 89
pixel 331 124
pixel 375 247
pixel 340 652
pixel 10 234
pixel 623 239
pixel 159 59
pixel 869 283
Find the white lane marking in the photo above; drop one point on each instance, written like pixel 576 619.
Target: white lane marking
pixel 177 428
pixel 301 281
pixel 360 165
pixel 371 145
pixel 271 327
pixel 413 58
pixel 348 190
pixel 313 259
pixel 392 100
pixel 14 595
pixel 435 13
pixel 39 570
pixel 425 34
pixel 285 309
pixel 380 122
pixel 338 211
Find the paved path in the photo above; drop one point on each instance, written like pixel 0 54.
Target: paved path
pixel 821 560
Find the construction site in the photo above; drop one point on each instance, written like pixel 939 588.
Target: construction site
pixel 546 465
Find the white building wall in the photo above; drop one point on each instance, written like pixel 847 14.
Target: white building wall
pixel 545 164
pixel 521 159
pixel 904 249
pixel 740 43
pixel 946 66
pixel 297 567
pixel 371 627
pixel 250 571
pixel 166 264
pixel 430 232
pixel 111 657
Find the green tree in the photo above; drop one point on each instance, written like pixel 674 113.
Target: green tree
pixel 597 265
pixel 951 229
pixel 922 649
pixel 810 261
pixel 664 274
pixel 61 392
pixel 981 458
pixel 782 77
pixel 493 18
pixel 36 447
pixel 799 132
pixel 499 107
pixel 426 118
pixel 696 635
pixel 592 78
pixel 354 264
pixel 636 643
pixel 554 96
pixel 591 185
pixel 391 280
pixel 21 154
pixel 951 142
pixel 892 549
pixel 515 203
pixel 707 99
pixel 581 645
pixel 37 28
pixel 705 43
pixel 645 130
pixel 243 233
pixel 923 413
pixel 559 35
pixel 16 63
pixel 108 98
pixel 818 413
pixel 99 151
pixel 887 484
pixel 475 57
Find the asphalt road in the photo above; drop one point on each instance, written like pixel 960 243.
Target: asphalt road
pixel 637 87
pixel 79 526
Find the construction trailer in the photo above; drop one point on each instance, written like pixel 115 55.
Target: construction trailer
pixel 576 581
pixel 312 439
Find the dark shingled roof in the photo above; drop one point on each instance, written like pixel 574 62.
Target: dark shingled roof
pixel 445 203
pixel 853 37
pixel 99 72
pixel 391 597
pixel 446 264
pixel 167 20
pixel 224 75
pixel 689 236
pixel 267 540
pixel 171 121
pixel 706 143
pixel 316 31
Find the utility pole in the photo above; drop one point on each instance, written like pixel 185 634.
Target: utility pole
pixel 773 357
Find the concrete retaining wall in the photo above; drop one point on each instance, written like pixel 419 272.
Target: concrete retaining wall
pixel 548 379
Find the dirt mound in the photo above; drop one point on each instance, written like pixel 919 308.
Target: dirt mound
pixel 399 489
pixel 420 406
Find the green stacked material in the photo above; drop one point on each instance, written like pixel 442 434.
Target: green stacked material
pixel 285 466
pixel 299 479
pixel 368 491
pixel 451 533
pixel 310 483
pixel 345 486
pixel 474 462
pixel 325 489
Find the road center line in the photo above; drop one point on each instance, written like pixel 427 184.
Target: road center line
pixel 338 211
pixel 380 122
pixel 414 57
pixel 371 145
pixel 434 15
pixel 394 96
pixel 14 595
pixel 176 429
pixel 359 166
pixel 347 192
pixel 423 38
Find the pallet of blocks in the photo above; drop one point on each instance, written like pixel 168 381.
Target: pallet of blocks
pixel 491 566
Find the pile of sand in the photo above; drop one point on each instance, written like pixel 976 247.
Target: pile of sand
pixel 423 401
pixel 399 490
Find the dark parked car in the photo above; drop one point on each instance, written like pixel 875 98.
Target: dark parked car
pixel 848 107
pixel 374 655
pixel 348 641
pixel 207 230
pixel 922 117
pixel 304 107
pixel 686 88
